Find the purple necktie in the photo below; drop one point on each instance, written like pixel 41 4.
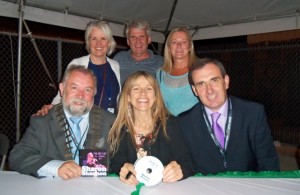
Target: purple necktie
pixel 219 134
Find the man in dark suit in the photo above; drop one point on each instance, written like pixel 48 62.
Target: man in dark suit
pixel 243 141
pixel 49 146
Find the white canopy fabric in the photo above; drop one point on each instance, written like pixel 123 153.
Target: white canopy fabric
pixel 206 19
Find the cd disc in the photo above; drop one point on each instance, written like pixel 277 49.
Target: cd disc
pixel 149 170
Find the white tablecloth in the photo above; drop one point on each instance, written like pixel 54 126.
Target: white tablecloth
pixel 12 183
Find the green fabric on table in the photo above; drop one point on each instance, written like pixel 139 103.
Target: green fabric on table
pixel 113 175
pixel 236 174
pixel 138 187
pixel 252 174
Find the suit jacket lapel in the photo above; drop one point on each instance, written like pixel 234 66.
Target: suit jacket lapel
pixel 60 131
pixel 94 137
pixel 235 130
pixel 58 134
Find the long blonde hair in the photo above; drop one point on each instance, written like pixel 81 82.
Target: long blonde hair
pixel 125 117
pixel 168 60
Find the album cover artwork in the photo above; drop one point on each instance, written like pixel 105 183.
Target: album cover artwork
pixel 94 162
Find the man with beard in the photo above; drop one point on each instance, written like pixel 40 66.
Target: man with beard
pixel 49 146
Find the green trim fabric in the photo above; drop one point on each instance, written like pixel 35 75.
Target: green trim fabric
pixel 251 174
pixel 236 174
pixel 113 175
pixel 138 189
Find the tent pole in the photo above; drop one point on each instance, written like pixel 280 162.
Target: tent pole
pixel 297 19
pixel 170 18
pixel 18 133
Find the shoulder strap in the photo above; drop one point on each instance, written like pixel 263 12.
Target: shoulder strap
pixel 160 75
pixel 96 128
pixel 63 123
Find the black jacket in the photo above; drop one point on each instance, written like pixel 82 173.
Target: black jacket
pixel 165 150
pixel 250 145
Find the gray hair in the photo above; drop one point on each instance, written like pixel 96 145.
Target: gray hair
pixel 139 24
pixel 79 68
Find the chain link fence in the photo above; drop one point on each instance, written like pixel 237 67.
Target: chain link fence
pixel 268 74
pixel 35 88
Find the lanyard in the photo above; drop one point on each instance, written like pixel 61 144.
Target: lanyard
pixel 103 74
pixel 227 131
pixel 104 82
pixel 75 141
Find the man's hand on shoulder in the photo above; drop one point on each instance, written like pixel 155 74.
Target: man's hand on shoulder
pixel 44 110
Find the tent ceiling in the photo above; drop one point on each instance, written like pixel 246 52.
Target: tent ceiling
pixel 205 18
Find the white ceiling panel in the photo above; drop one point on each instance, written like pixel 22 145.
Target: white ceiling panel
pixel 205 18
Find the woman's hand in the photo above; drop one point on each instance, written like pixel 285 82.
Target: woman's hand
pixel 172 172
pixel 127 174
pixel 44 110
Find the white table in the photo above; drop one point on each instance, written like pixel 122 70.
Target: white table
pixel 12 183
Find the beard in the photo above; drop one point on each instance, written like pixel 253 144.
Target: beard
pixel 76 107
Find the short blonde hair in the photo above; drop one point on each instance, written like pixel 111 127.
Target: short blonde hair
pixel 103 26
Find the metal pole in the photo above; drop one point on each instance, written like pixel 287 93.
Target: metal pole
pixel 170 17
pixel 18 133
pixel 59 60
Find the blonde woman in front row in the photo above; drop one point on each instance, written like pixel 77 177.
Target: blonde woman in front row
pixel 143 124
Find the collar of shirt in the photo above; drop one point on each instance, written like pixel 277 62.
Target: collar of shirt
pixel 223 111
pixel 150 53
pixel 84 122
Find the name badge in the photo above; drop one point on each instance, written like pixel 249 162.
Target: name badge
pixel 112 110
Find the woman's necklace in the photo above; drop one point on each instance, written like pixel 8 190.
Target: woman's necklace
pixel 144 130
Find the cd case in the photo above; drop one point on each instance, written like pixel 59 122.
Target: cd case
pixel 94 162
